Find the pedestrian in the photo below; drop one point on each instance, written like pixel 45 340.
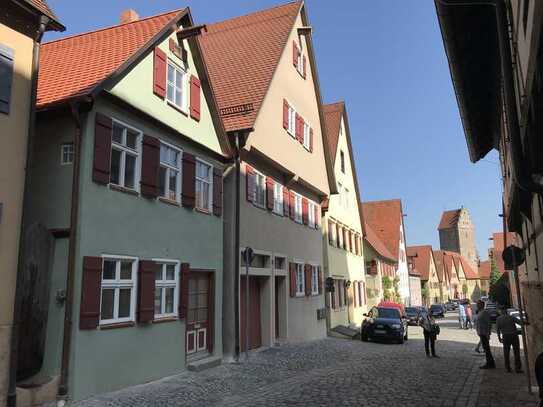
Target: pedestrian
pixel 484 327
pixel 507 335
pixel 430 330
pixel 461 315
pixel 478 347
pixel 469 316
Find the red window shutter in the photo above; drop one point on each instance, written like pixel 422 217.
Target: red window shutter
pixel 189 180
pixel 305 211
pixel 146 290
pixel 159 73
pixel 250 183
pixel 295 54
pixel 333 295
pixel 292 205
pixel 297 126
pixel 89 310
pixel 217 191
pixel 195 98
pixel 317 210
pixel 292 275
pixel 286 206
pixel 150 162
pixel 184 290
pixel 350 235
pixel 102 149
pixel 304 64
pixel 308 279
pixel 311 140
pixel 301 131
pixel 320 280
pixel 269 193
pixel 285 114
pixel 363 290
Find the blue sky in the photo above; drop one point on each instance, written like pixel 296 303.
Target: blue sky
pixel 386 60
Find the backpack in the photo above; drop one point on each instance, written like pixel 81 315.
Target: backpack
pixel 436 330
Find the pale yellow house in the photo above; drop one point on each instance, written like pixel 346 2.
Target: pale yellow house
pixel 22 24
pixel 424 262
pixel 343 248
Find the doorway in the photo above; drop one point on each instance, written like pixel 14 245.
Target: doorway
pixel 255 329
pixel 199 338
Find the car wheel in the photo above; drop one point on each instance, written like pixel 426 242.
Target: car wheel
pixel 400 341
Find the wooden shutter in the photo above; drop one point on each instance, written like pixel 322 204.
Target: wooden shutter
pixel 297 126
pixel 250 183
pixel 6 78
pixel 317 210
pixel 305 211
pixel 286 206
pixel 159 73
pixel 102 149
pixel 292 205
pixel 330 232
pixel 292 275
pixel 184 290
pixel 150 162
pixel 195 98
pixel 295 54
pixel 308 279
pixel 189 180
pixel 269 193
pixel 357 244
pixel 344 239
pixel 311 139
pixel 304 63
pixel 89 310
pixel 217 191
pixel 320 280
pixel 146 290
pixel 333 295
pixel 285 114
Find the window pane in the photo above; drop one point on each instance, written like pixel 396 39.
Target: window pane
pixel 178 78
pixel 115 166
pixel 202 314
pixel 202 284
pixel 126 270
pixel 162 174
pixel 202 170
pixel 106 311
pixel 202 300
pixel 109 270
pixel 170 272
pixel 129 171
pixel 172 194
pixel 170 92
pixel 171 73
pixel 193 300
pixel 117 135
pixel 158 300
pixel 124 302
pixel 158 274
pixel 178 100
pixel 169 300
pixel 131 139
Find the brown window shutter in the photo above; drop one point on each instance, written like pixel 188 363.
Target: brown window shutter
pixel 337 235
pixel 285 114
pixel 333 295
pixel 345 294
pixel 159 73
pixel 308 279
pixel 292 275
pixel 150 162
pixel 317 210
pixel 357 242
pixel 344 239
pixel 303 59
pixel 249 183
pixel 311 140
pixel 297 126
pixel 292 205
pixel 102 149
pixel 330 232
pixel 184 290
pixel 89 310
pixel 320 280
pixel 350 237
pixel 294 54
pixel 217 191
pixel 286 206
pixel 189 180
pixel 146 290
pixel 195 98
pixel 305 211
pixel 269 193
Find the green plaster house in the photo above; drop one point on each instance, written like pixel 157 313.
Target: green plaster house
pixel 125 197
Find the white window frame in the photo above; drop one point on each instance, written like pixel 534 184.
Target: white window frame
pixel 298 210
pixel 169 168
pixel 260 187
pixel 118 284
pixel 340 193
pixel 314 279
pixel 184 86
pixel 168 284
pixel 291 128
pixel 127 150
pixel 278 198
pixel 300 282
pixel 311 208
pixel 67 153
pixel 300 62
pixel 210 186
pixel 307 136
pixel 276 256
pixel 339 230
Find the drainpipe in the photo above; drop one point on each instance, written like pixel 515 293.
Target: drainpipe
pixel 12 387
pixel 74 213
pixel 236 247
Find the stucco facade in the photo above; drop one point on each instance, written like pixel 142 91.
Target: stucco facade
pixel 459 237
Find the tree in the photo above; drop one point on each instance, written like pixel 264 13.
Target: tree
pixel 387 285
pixel 495 273
pixel 465 289
pixel 499 286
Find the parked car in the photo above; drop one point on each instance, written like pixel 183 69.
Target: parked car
pixel 437 310
pixel 484 298
pixel 384 323
pixel 413 314
pixel 450 306
pixel 515 313
pixel 492 309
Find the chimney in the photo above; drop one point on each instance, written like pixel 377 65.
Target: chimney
pixel 129 16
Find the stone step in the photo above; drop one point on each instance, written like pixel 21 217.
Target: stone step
pixel 203 364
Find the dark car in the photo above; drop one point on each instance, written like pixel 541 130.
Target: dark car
pixel 437 310
pixel 492 309
pixel 413 315
pixel 384 323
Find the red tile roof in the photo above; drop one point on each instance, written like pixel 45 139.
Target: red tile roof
pixel 73 66
pixel 242 54
pixel 444 262
pixel 421 256
pixel 374 241
pixel 332 118
pixel 449 219
pixel 385 218
pixel 484 270
pixel 468 270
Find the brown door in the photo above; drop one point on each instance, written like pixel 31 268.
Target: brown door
pixel 255 340
pixel 200 304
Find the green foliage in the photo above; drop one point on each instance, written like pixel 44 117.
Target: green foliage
pixel 464 289
pixel 499 287
pixel 396 283
pixel 387 284
pixel 424 292
pixel 494 273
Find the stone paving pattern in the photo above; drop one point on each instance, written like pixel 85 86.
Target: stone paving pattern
pixel 341 372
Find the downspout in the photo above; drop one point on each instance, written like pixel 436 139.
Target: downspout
pixel 236 246
pixel 74 213
pixel 12 387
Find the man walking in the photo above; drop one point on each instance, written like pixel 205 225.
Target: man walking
pixel 507 334
pixel 484 326
pixel 461 315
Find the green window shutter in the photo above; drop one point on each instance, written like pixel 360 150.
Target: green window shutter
pixel 6 77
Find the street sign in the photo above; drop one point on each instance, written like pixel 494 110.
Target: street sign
pixel 513 256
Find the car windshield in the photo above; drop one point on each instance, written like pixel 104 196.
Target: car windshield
pixel 388 313
pixel 435 307
pixel 411 311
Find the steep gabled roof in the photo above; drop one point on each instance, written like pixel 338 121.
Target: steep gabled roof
pixel 444 262
pixel 468 270
pixel 484 270
pixel 333 113
pixel 242 54
pixel 374 241
pixel 422 255
pixel 74 66
pixel 449 219
pixel 385 218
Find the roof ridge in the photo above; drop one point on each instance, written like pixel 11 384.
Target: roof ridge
pixel 69 37
pixel 382 200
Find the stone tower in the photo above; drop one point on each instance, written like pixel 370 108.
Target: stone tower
pixel 457 234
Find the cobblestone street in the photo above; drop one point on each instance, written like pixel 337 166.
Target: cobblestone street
pixel 343 372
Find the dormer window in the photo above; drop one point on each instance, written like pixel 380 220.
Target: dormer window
pixel 298 59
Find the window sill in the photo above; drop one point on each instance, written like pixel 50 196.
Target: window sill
pixel 128 191
pixel 117 325
pixel 161 320
pixel 204 211
pixel 179 109
pixel 168 201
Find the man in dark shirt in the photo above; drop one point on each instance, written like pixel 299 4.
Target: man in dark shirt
pixel 483 330
pixel 507 334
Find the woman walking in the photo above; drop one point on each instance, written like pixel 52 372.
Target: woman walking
pixel 469 316
pixel 430 330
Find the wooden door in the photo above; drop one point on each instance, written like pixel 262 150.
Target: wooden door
pixel 255 338
pixel 199 313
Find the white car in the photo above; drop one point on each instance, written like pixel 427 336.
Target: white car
pixel 516 314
